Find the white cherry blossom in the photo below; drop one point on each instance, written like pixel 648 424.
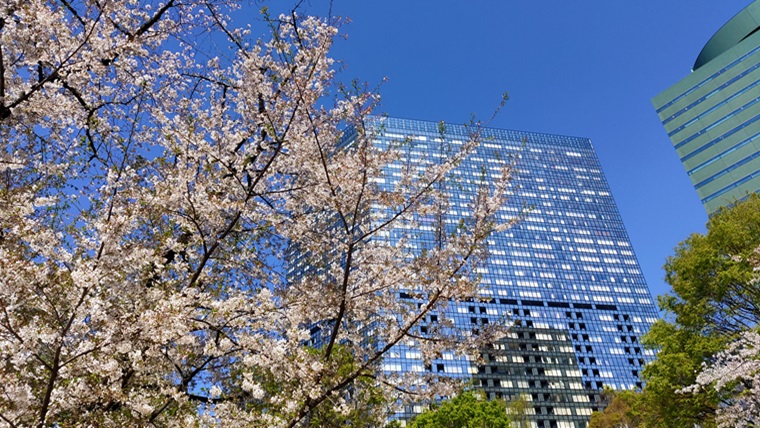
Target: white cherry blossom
pixel 150 190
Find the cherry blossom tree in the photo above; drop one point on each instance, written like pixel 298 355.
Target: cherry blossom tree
pixel 153 187
pixel 735 372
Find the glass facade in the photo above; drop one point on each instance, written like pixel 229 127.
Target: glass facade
pixel 540 367
pixel 713 115
pixel 566 272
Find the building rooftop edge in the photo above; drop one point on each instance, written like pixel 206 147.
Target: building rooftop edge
pixel 743 24
pixel 484 127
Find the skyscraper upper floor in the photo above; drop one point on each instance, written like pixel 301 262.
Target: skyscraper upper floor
pixel 712 116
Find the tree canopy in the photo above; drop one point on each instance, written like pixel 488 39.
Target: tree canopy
pixel 712 275
pixel 159 164
pixel 714 304
pixel 466 410
pixel 618 412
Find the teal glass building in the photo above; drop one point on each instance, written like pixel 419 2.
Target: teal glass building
pixel 712 116
pixel 566 272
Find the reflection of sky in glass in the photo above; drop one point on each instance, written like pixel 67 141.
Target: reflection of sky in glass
pixel 567 266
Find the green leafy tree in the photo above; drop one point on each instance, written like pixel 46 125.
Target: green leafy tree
pixel 518 412
pixel 682 352
pixel 466 410
pixel 712 277
pixel 620 411
pixel 714 300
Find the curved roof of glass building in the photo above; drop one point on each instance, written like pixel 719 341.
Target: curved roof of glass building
pixel 730 34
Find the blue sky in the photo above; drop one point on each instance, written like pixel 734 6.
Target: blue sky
pixel 585 68
pixel 588 68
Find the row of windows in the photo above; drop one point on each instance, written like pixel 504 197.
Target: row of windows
pixel 733 185
pixel 584 226
pixel 400 128
pixel 702 83
pixel 721 103
pixel 735 165
pixel 720 138
pixel 724 153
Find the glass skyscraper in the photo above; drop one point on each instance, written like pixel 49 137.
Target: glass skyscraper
pixel 712 116
pixel 566 273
